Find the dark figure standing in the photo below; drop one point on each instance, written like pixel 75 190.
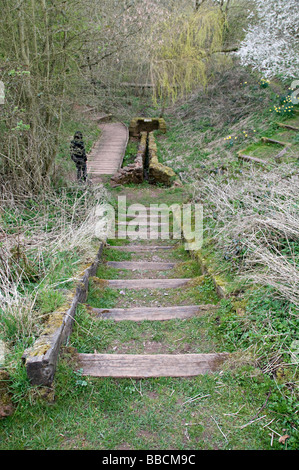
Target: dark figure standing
pixel 78 155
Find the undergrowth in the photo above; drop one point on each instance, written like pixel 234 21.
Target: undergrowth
pixel 251 238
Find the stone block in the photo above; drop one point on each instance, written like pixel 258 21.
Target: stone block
pixel 141 124
pixel 158 173
pixel 133 173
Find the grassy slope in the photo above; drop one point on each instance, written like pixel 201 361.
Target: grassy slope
pixel 229 411
pixel 205 412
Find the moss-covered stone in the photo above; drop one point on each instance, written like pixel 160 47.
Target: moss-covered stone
pixel 133 173
pixel 219 282
pixel 141 124
pixel 6 405
pixel 158 173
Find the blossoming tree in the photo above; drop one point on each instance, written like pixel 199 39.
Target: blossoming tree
pixel 271 44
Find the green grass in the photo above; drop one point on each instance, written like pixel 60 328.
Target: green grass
pixel 203 413
pixel 169 337
pixel 131 153
pixel 147 194
pixel 246 407
pixel 115 255
pixel 101 297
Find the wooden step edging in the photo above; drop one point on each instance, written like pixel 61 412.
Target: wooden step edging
pixel 141 265
pixel 41 359
pixel 288 126
pixel 141 248
pixel 250 159
pixel 146 283
pixel 154 365
pixel 267 140
pixel 137 314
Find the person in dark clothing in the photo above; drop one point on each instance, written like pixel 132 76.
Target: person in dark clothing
pixel 78 155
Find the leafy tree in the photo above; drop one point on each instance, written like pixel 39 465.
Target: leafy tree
pixel 182 52
pixel 40 44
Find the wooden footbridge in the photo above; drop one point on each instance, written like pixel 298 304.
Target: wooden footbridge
pixel 107 155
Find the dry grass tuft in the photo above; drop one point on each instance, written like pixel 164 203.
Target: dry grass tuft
pixel 256 223
pixel 35 235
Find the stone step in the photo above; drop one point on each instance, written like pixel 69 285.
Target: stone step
pixel 144 366
pixel 144 265
pixel 152 313
pixel 146 283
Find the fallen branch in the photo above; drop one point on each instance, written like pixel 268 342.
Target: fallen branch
pixel 251 422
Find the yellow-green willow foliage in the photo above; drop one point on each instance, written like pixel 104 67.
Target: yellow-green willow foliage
pixel 181 52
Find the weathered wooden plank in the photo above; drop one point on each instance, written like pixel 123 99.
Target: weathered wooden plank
pixel 266 140
pixel 144 265
pixel 41 359
pixel 147 283
pixel 152 313
pixel 102 172
pixel 107 155
pixel 103 168
pixel 141 235
pixel 248 158
pixel 104 165
pixel 144 366
pixel 140 248
pixel 281 154
pixel 288 126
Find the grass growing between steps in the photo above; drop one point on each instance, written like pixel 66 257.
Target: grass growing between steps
pixel 153 337
pixel 181 270
pixel 200 289
pixel 177 253
pixel 210 412
pixel 147 194
pixel 146 337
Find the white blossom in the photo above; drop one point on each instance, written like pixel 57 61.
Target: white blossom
pixel 271 44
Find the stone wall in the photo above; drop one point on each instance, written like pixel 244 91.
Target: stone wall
pixel 157 172
pixel 146 164
pixel 134 172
